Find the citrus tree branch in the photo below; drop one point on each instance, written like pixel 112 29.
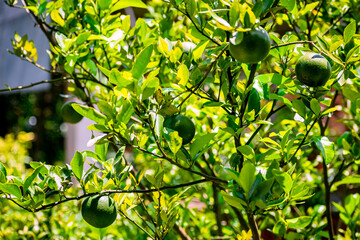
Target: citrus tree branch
pixel 303 140
pixel 9 89
pixel 197 86
pixel 143 191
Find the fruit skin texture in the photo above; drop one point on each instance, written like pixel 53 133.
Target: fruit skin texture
pixel 313 70
pixel 99 211
pixel 254 46
pixel 69 114
pixel 183 125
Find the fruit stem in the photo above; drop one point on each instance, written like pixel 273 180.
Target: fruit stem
pixel 248 84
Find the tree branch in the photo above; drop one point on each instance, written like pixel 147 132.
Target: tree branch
pixel 144 191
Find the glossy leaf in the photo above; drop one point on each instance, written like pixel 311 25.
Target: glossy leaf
pixel 326 148
pixel 247 176
pixel 77 165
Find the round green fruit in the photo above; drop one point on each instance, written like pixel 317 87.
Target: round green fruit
pixel 69 114
pixel 250 47
pixel 99 211
pixel 183 125
pixel 313 70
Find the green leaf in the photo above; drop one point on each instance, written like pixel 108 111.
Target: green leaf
pixel 284 179
pixel 349 31
pixel 128 3
pixel 183 75
pixel 299 107
pixel 56 17
pixel 2 177
pixel 77 165
pixel 191 7
pixel 220 22
pixel 262 189
pixel 37 196
pixel 288 4
pixel 280 227
pixel 82 38
pixel 175 142
pixel 104 4
pixel 254 101
pixel 200 143
pixel 199 50
pixel 149 86
pixel 247 176
pixel 142 60
pixel 30 178
pixel 315 106
pixel 11 188
pixel 232 201
pixel 267 4
pixel 234 12
pixel 90 113
pixel 125 112
pixel 308 7
pixel 350 92
pixel 353 179
pixel 299 222
pixel 106 108
pixel 329 110
pixel 3 169
pixel 326 147
pixel 159 126
pixel 163 46
pixel 247 151
pixel 101 150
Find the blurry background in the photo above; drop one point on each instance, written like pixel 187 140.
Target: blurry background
pixel 35 109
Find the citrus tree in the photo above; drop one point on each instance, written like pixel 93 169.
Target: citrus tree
pixel 213 119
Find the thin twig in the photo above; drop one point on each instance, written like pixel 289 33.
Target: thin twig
pixel 35 84
pixel 136 224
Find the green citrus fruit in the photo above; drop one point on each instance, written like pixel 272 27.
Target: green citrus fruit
pixel 250 47
pixel 99 211
pixel 183 125
pixel 69 114
pixel 313 70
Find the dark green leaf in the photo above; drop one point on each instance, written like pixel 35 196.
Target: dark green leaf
pixel 262 189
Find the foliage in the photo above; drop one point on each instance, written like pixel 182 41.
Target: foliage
pixel 267 154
